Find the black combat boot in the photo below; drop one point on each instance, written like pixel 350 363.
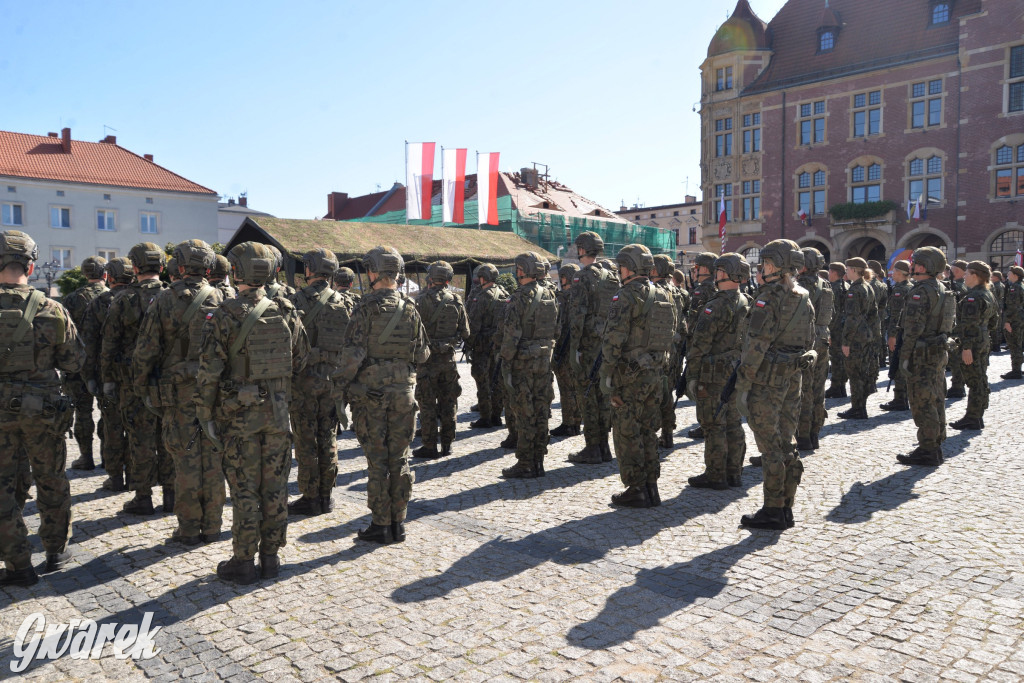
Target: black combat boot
pixel 114 483
pixel 178 538
pixel 56 561
pixel 305 506
pixel 270 566
pixel 696 433
pixel 836 391
pixel 398 531
pixel 446 449
pixel 922 456
pixel 19 577
pixel 511 441
pixel 590 455
pixel 418 433
pixel 895 405
pixel 427 452
pixel 653 494
pixel 475 408
pixel 376 533
pixel 519 471
pixel 665 440
pixel 1013 374
pixel 854 413
pixel 632 497
pixel 804 443
pixel 734 480
pixel 755 460
pixel 968 423
pixel 790 522
pixel 84 462
pixel 139 505
pixel 956 392
pixel 703 481
pixel 326 504
pixel 238 571
pixel 483 423
pixel 168 500
pixel 814 441
pixel 766 518
pixel 566 430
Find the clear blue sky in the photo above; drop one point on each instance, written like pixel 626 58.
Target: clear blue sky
pixel 290 101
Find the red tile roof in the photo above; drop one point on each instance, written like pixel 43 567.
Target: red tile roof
pixel 872 34
pixel 96 163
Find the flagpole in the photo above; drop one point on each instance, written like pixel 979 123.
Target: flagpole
pixel 407 182
pixel 443 180
pixel 477 188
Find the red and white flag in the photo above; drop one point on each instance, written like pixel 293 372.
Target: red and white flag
pixel 453 186
pixel 917 210
pixel 487 187
pixel 803 215
pixel 1018 260
pixel 721 220
pixel 419 179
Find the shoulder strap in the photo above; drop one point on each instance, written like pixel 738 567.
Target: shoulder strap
pixel 193 307
pixel 314 311
pixel 35 300
pixel 649 302
pixel 395 317
pixel 248 324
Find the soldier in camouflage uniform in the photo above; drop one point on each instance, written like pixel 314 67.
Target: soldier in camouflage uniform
pixel 996 330
pixel 437 380
pixel 384 344
pixel 568 393
pixel 881 290
pixel 925 326
pixel 858 340
pixel 589 298
pixel 812 383
pixel 661 276
pixel 714 349
pixel 973 320
pixel 778 347
pixel 703 290
pixel 76 303
pixel 1013 321
pixel 637 342
pixel 114 443
pixel 342 284
pixel 894 309
pixel 150 462
pixel 837 362
pixel 325 317
pixel 274 287
pixel 484 320
pixel 172 269
pixel 529 328
pixel 251 347
pixel 219 277
pixel 37 338
pixel 168 347
pixel 956 389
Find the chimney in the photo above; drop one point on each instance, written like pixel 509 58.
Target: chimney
pixel 690 199
pixel 335 202
pixel 231 201
pixel 243 200
pixel 65 140
pixel 147 157
pixel 52 135
pixel 110 140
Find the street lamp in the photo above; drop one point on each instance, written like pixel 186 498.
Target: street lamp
pixel 50 270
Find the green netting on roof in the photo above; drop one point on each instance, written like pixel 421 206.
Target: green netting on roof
pixel 550 231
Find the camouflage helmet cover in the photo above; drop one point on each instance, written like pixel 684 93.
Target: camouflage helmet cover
pixel 17 247
pixel 637 258
pixel 734 265
pixel 147 257
pixel 664 266
pixel 344 276
pixel 384 260
pixel 590 242
pixel 196 256
pixel 221 267
pixel 119 269
pixel 932 258
pixel 440 271
pixel 532 264
pixel 320 262
pixel 705 259
pixel 785 254
pixel 568 271
pixel 94 267
pixel 252 263
pixel 487 271
pixel 813 260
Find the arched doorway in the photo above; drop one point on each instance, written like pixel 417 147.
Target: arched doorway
pixel 868 248
pixel 1004 248
pixel 927 239
pixel 820 246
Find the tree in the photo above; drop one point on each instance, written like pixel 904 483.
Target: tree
pixel 70 280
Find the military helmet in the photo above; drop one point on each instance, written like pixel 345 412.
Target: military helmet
pixel 664 265
pixel 440 271
pixel 487 271
pixel 344 276
pixel 147 257
pixel 932 258
pixel 568 271
pixel 119 269
pixel 532 264
pixel 17 247
pixel 252 263
pixel 734 265
pixel 384 260
pixel 221 267
pixel 637 258
pixel 813 260
pixel 196 256
pixel 590 242
pixel 785 254
pixel 172 268
pixel 278 257
pixel 705 259
pixel 320 262
pixel 607 264
pixel 94 267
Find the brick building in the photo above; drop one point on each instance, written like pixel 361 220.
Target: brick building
pixel 831 123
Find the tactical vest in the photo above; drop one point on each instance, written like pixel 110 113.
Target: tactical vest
pixel 653 327
pixel 193 340
pixel 541 320
pixel 18 355
pixel 332 325
pixel 795 318
pixel 393 329
pixel 443 324
pixel 942 316
pixel 139 299
pixel 266 353
pixel 605 287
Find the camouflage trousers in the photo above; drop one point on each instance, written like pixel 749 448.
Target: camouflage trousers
pixel 256 464
pixel 22 478
pixel 1015 342
pixel 198 471
pixel 812 394
pixel 837 362
pixel 314 430
pixel 725 443
pixel 568 394
pixel 488 387
pixel 956 368
pixel 635 424
pixel 597 418
pixel 384 425
pixel 862 368
pixel 114 444
pixel 82 400
pixel 976 379
pixel 996 333
pixel 926 392
pixel 42 440
pixel 899 383
pixel 531 405
pixel 774 412
pixel 150 463
pixel 668 401
pixel 437 394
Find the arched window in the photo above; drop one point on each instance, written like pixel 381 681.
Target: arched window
pixel 1004 248
pixel 940 13
pixel 753 256
pixel 1009 170
pixel 826 40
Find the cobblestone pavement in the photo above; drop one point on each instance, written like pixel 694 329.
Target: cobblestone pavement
pixel 892 573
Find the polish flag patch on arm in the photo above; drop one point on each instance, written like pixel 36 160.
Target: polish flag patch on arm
pixel 761 304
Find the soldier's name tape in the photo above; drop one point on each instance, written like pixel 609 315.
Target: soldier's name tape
pixel 82 639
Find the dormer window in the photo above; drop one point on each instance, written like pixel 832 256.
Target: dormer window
pixel 826 40
pixel 940 13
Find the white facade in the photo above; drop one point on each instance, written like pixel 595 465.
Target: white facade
pixel 684 219
pixel 72 221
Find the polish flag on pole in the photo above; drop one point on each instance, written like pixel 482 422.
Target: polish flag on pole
pixel 487 187
pixel 721 220
pixel 917 210
pixel 419 179
pixel 453 189
pixel 1018 260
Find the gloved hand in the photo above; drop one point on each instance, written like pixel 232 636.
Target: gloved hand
pixel 93 387
pixel 742 394
pixel 110 390
pixel 210 429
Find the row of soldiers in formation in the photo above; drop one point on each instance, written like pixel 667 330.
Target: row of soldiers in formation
pixel 203 385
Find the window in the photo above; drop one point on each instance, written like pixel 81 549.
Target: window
pixel 867 114
pixel 60 193
pixel 926 104
pixel 751 133
pixel 148 223
pixel 12 188
pixel 107 253
pixel 940 13
pixel 12 214
pixel 812 123
pixel 654 215
pixel 826 40
pixel 106 197
pixel 61 255
pixel 1010 171
pixel 105 220
pixel 866 184
pixel 751 200
pixel 692 236
pixel 727 191
pixel 723 139
pixel 675 213
pixel 1004 248
pixel 723 79
pixel 60 217
pixel 810 198
pixel 753 256
pixel 1015 101
pixel 149 200
pixel 925 179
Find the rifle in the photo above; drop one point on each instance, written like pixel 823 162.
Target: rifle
pixel 894 361
pixel 497 372
pixel 727 390
pixel 195 436
pixel 595 372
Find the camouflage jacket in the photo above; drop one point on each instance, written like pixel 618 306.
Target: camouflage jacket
pixel 356 355
pixel 861 314
pixel 681 301
pixel 823 302
pixel 702 293
pixel 92 332
pixel 629 321
pixel 428 303
pixel 973 317
pixel 78 301
pixel 322 363
pixel 587 317
pixel 514 324
pixel 1013 303
pixel 922 316
pixel 768 321
pixel 719 333
pixel 54 339
pixel 839 290
pixel 485 316
pixel 226 290
pixel 279 289
pixel 894 306
pixel 121 328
